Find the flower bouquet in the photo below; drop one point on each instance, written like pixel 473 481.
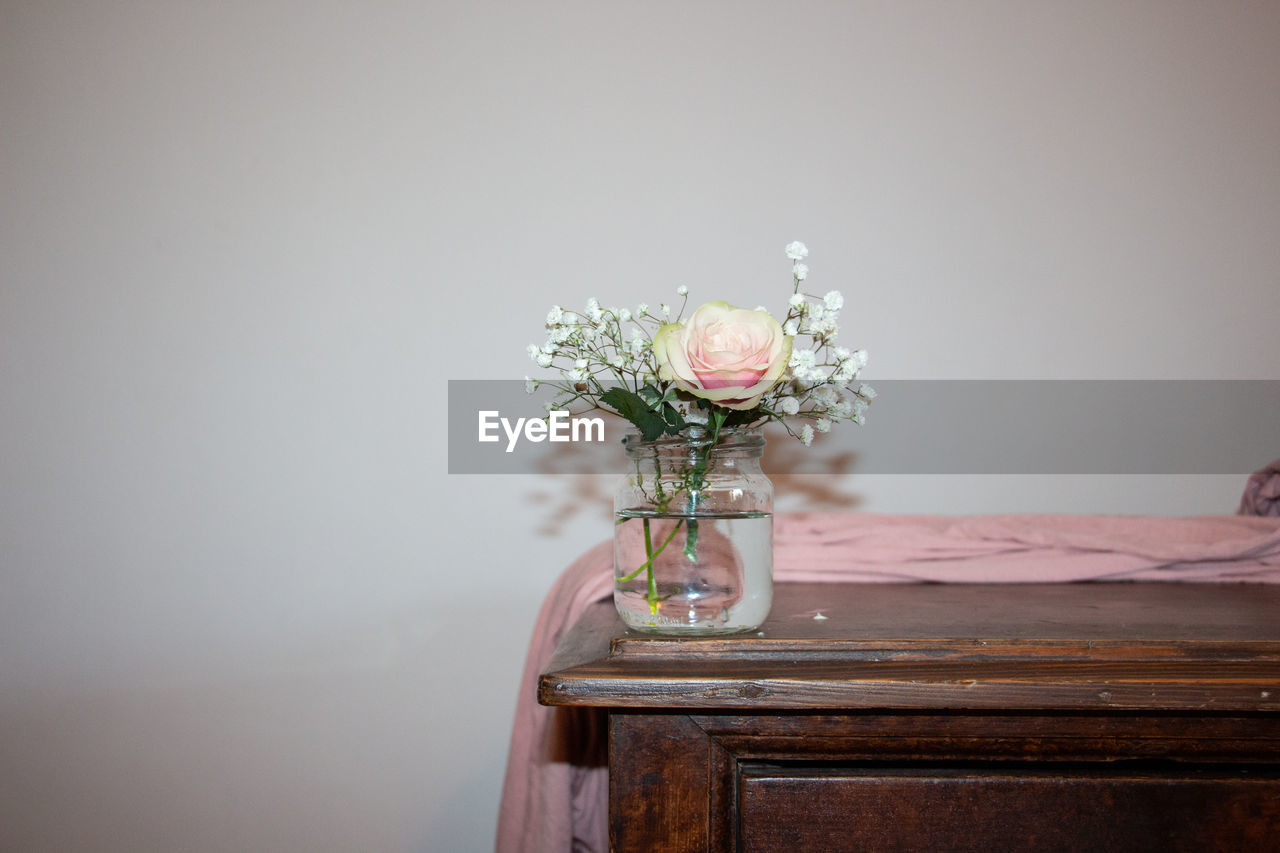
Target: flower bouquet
pixel 693 532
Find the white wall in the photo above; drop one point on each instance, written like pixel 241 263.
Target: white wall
pixel 244 245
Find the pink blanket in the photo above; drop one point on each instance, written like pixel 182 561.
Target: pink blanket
pixel 555 793
pixel 1262 492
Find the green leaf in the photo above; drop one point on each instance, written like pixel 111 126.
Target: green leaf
pixel 729 417
pixel 675 420
pixel 741 417
pixel 718 416
pixel 634 409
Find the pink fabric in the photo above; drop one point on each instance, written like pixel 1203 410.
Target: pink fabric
pixel 550 804
pixel 1262 492
pixel 555 793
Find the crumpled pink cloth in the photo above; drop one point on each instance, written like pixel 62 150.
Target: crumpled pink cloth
pixel 1262 492
pixel 556 788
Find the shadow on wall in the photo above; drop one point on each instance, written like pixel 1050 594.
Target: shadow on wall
pixel 832 490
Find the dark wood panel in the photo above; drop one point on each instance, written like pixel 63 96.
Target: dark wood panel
pixel 661 801
pixel 1014 737
pixel 1031 684
pixel 950 811
pixel 1071 717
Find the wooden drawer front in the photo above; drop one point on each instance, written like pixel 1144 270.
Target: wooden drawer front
pixel 999 809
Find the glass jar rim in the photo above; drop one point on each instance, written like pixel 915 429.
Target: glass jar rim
pixel 730 438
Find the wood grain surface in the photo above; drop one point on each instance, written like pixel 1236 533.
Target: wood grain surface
pixel 1062 646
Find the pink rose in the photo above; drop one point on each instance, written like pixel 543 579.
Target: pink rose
pixel 724 354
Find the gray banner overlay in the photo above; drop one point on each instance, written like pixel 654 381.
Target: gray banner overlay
pixel 931 427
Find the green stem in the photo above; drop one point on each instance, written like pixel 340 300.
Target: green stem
pixel 649 552
pixel 647 566
pixel 652 594
pixel 691 541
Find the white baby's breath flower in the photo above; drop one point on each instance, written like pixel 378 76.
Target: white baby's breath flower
pixel 642 309
pixel 859 358
pixel 588 333
pixel 682 290
pixel 578 374
pixel 580 363
pixel 845 372
pixel 788 405
pixel 550 348
pixel 544 360
pixel 802 358
pixel 841 353
pixel 534 351
pixel 800 271
pixel 824 327
pixel 859 419
pixel 792 328
pixel 551 406
pixel 806 435
pixel 834 300
pixel 555 315
pixel 624 315
pixel 530 385
pixel 825 396
pixel 822 425
pixel 866 392
pixel 841 409
pixel 796 300
pixel 797 251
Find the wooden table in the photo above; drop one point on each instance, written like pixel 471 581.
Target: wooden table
pixel 1074 717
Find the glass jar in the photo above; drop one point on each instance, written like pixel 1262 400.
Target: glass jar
pixel 693 534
